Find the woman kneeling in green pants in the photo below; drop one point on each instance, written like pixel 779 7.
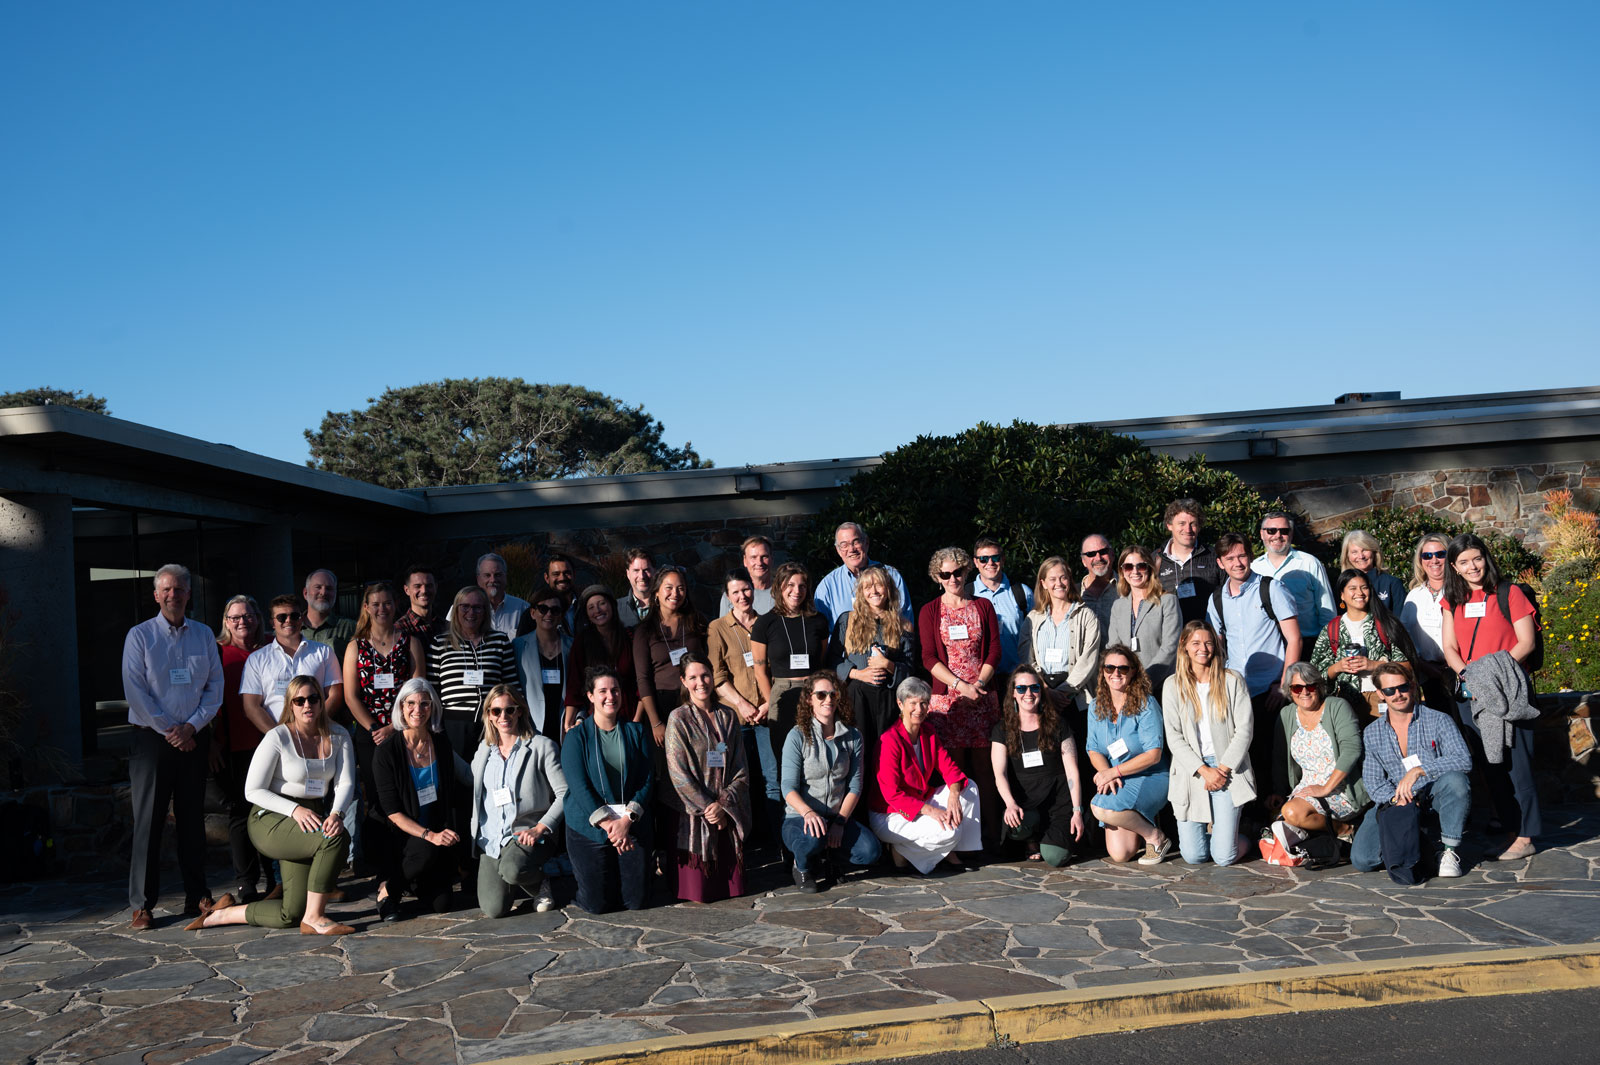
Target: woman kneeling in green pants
pixel 302 781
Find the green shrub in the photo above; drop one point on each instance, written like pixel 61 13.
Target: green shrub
pixel 1038 489
pixel 1398 530
pixel 1570 611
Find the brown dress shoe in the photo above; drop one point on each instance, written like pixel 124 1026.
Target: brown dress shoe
pixel 141 921
pixel 334 929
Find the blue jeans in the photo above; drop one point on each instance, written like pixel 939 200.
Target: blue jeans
pixel 1223 841
pixel 1450 797
pixel 862 846
pixel 762 764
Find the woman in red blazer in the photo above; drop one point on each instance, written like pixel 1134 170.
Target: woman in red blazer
pixel 923 806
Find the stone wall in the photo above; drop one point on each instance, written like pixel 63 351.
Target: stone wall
pixel 1509 499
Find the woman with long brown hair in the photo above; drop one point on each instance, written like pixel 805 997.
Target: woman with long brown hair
pixel 1128 750
pixel 877 649
pixel 1035 760
pixel 823 778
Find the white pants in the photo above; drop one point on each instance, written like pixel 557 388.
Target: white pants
pixel 924 842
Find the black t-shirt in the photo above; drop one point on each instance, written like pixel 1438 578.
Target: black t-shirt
pixel 786 637
pixel 1038 782
pixel 554 693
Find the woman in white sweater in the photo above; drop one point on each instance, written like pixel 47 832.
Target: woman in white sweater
pixel 302 782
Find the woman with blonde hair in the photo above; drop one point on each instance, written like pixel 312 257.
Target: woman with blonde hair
pixel 1145 618
pixel 1062 637
pixel 1205 708
pixel 1359 550
pixel 518 790
pixel 1423 616
pixel 465 661
pixel 237 737
pixel 877 649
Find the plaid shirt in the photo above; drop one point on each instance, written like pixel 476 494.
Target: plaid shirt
pixel 1433 738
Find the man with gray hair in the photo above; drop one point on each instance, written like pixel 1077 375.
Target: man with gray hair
pixel 1301 575
pixel 322 622
pixel 172 677
pixel 837 591
pixel 506 611
pixel 1099 590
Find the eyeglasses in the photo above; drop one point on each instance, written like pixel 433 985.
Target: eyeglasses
pixel 1024 689
pixel 943 576
pixel 1275 531
pixel 986 559
pixel 1103 552
pixel 470 608
pixel 1301 689
pixel 307 700
pixel 281 619
pixel 1429 556
pixel 1136 567
pixel 238 617
pixel 546 608
pixel 1395 689
pixel 502 711
pixel 827 695
pixel 1112 671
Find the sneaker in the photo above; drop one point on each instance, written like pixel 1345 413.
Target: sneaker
pixel 1289 837
pixel 805 881
pixel 543 901
pixel 1450 863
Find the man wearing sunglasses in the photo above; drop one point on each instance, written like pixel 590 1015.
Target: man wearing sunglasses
pixel 1099 591
pixel 270 668
pixel 1303 576
pixel 1186 567
pixel 1413 755
pixel 1011 602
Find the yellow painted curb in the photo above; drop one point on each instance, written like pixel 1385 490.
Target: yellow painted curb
pixel 1147 1004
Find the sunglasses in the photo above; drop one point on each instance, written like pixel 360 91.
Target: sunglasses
pixel 1395 689
pixel 826 696
pixel 1104 552
pixel 546 608
pixel 1024 689
pixel 307 700
pixel 943 576
pixel 1431 555
pixel 986 559
pixel 291 616
pixel 1301 689
pixel 502 711
pixel 1275 531
pixel 1112 671
pixel 1136 567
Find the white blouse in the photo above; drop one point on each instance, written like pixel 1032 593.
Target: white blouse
pixel 279 775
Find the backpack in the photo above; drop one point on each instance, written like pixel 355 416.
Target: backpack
pixel 1502 594
pixel 1016 593
pixel 1266 604
pixel 1377 624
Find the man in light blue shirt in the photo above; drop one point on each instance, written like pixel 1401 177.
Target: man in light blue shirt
pixel 1261 643
pixel 1011 602
pixel 1303 576
pixel 837 591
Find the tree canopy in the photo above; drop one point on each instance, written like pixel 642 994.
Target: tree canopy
pixel 59 397
pixel 491 430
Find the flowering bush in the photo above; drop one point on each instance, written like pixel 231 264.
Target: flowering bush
pixel 1571 616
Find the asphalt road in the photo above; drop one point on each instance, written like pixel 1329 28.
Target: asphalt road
pixel 1551 1028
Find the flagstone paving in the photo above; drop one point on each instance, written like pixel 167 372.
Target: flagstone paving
pixel 77 986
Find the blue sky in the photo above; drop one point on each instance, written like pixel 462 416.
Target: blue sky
pixel 796 230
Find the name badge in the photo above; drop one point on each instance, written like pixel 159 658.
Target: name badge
pixel 1054 659
pixel 677 656
pixel 1367 685
pixel 551 676
pixel 1133 644
pixel 427 796
pixel 800 661
pixel 383 681
pixel 316 787
pixel 280 687
pixel 502 796
pixel 1411 762
pixel 178 676
pixel 1118 749
pixel 1476 610
pixel 716 760
pixel 1032 759
pixel 474 677
pixel 1186 589
pixel 749 660
pixel 958 632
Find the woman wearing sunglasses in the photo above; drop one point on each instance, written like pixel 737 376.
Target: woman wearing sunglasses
pixel 518 791
pixel 1423 616
pixel 1317 758
pixel 823 775
pixel 1127 748
pixel 302 782
pixel 542 659
pixel 1035 760
pixel 1145 618
pixel 1205 708
pixel 417 793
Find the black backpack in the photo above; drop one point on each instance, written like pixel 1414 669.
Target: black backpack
pixel 1266 604
pixel 1502 593
pixel 1016 593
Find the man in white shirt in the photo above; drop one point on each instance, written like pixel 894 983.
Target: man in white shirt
pixel 634 606
pixel 1303 576
pixel 270 668
pixel 1011 602
pixel 836 593
pixel 1099 591
pixel 757 554
pixel 172 677
pixel 507 612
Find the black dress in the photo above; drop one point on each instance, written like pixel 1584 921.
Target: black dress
pixel 1041 789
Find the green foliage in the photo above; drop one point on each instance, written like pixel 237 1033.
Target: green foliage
pixel 1038 489
pixel 1570 611
pixel 492 430
pixel 1398 530
pixel 39 397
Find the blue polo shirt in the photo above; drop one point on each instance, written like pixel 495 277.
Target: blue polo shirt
pixel 1004 601
pixel 1255 643
pixel 837 592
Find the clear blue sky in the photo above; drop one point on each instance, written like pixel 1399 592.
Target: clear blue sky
pixel 796 230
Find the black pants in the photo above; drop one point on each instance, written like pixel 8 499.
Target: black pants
pixel 249 867
pixel 429 872
pixel 605 877
pixel 161 775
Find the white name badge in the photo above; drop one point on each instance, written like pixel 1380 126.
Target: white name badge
pixel 1054 659
pixel 316 787
pixel 383 681
pixel 1186 589
pixel 617 810
pixel 1476 610
pixel 178 676
pixel 502 796
pixel 474 677
pixel 1133 645
pixel 716 760
pixel 1411 762
pixel 281 687
pixel 427 795
pixel 800 661
pixel 1032 759
pixel 550 676
pixel 677 656
pixel 749 660
pixel 1367 685
pixel 1118 749
pixel 958 632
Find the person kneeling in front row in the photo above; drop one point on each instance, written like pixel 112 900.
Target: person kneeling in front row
pixel 518 791
pixel 822 780
pixel 1413 755
pixel 416 773
pixel 922 822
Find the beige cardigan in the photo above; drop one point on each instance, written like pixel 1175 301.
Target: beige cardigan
pixel 1231 738
pixel 1083 646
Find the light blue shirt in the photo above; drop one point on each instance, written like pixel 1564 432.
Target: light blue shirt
pixel 1305 578
pixel 1004 602
pixel 494 826
pixel 1255 643
pixel 171 676
pixel 837 592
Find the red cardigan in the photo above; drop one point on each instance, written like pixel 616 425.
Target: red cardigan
pixel 903 784
pixel 988 637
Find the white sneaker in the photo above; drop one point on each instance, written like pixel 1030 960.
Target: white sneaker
pixel 1450 863
pixel 543 902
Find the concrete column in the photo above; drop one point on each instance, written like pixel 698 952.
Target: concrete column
pixel 41 623
pixel 270 569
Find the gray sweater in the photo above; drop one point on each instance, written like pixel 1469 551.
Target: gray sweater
pixel 1500 695
pixel 825 772
pixel 537 784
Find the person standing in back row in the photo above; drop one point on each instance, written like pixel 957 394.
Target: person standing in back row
pixel 1186 566
pixel 757 555
pixel 1011 602
pixel 837 591
pixel 1260 635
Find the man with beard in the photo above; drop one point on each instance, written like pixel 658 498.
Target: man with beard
pixel 321 623
pixel 1099 590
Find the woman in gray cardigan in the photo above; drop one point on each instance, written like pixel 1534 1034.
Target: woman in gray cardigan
pixel 517 794
pixel 1206 710
pixel 1317 757
pixel 1146 618
pixel 822 780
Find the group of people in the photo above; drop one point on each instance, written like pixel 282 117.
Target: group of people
pixel 472 745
